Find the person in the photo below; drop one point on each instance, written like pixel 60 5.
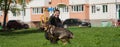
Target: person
pixel 55 20
pixel 44 17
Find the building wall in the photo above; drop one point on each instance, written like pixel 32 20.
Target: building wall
pixel 102 22
pixel 101 1
pixel 74 2
pixel 54 3
pixel 29 16
pixel 35 17
pixel 83 15
pixel 2 17
pixel 39 3
pixel 99 16
pixel 61 4
pixel 96 18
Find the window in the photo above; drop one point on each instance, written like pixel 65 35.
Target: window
pixel 77 8
pixel 118 7
pixel 37 10
pixel 14 14
pixel 118 10
pixel 23 13
pixel 65 9
pixel 105 8
pixel 0 13
pixel 93 9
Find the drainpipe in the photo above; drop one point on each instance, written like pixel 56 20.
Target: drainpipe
pixel 23 9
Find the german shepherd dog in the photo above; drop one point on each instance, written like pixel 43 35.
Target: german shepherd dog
pixel 54 34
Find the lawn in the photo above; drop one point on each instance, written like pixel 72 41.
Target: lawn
pixel 84 37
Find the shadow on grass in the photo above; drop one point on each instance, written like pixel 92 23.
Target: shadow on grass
pixel 18 32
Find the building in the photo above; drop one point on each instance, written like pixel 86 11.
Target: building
pixel 1 17
pixel 100 13
pixel 33 10
pixel 63 6
pixel 79 9
pixel 104 12
pixel 15 16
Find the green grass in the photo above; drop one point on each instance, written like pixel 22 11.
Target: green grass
pixel 83 37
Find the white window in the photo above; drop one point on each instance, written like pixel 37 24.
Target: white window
pixel 77 8
pixel 37 10
pixel 118 7
pixel 65 9
pixel 93 9
pixel 0 13
pixel 105 8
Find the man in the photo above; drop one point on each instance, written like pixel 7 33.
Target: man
pixel 55 20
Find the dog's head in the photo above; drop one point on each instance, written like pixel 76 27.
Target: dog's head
pixel 48 27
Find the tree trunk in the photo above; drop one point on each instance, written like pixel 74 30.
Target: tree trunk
pixel 5 13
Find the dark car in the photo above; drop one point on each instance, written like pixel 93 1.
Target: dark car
pixel 75 22
pixel 86 24
pixel 16 24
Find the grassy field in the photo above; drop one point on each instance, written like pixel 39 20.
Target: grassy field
pixel 84 37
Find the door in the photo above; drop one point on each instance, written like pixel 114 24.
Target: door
pixel 64 13
pixel 119 13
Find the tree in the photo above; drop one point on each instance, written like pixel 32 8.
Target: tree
pixel 5 5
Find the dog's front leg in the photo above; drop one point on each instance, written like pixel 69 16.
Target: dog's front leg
pixel 53 41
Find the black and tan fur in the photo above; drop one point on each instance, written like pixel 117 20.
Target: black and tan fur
pixel 54 34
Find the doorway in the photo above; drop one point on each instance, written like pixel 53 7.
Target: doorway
pixel 64 11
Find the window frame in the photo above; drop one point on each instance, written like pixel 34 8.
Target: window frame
pixel 77 8
pixel 0 13
pixel 37 10
pixel 93 8
pixel 105 8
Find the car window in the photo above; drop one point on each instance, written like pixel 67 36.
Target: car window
pixel 75 20
pixel 67 21
pixel 71 20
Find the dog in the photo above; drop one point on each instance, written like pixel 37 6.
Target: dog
pixel 54 34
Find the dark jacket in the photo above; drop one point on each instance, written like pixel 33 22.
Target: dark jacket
pixel 55 21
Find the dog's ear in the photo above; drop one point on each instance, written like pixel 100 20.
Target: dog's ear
pixel 52 28
pixel 45 28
